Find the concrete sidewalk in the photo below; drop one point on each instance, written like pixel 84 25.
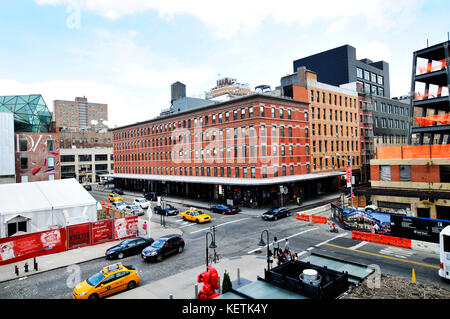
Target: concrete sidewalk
pixel 75 256
pixel 182 285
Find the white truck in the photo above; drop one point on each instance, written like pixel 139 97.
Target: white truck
pixel 444 248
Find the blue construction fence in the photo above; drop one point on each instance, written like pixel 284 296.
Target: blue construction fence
pixel 417 228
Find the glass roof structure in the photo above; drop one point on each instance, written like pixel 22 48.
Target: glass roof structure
pixel 30 112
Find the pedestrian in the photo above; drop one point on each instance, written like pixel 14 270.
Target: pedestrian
pixel 145 227
pixel 376 227
pixel 295 256
pixel 275 246
pixel 286 245
pixel 270 257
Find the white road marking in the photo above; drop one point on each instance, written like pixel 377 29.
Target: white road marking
pixel 359 245
pixel 326 241
pixel 305 231
pixel 233 221
pixel 397 252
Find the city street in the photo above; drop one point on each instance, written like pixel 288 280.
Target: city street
pixel 237 235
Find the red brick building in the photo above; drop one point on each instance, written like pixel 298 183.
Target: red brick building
pixel 240 149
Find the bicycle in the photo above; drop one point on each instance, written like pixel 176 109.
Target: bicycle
pixel 215 258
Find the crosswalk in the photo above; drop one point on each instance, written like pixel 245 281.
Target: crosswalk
pixel 397 252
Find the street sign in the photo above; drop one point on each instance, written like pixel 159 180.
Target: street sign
pixel 349 176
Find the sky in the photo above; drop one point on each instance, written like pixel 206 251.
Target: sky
pixel 127 53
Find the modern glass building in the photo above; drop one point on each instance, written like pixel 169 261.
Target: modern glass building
pixel 30 112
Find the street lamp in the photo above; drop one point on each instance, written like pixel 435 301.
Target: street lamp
pixel 351 171
pixel 262 243
pixel 212 246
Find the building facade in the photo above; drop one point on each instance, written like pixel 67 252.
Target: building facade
pixel 86 165
pixel 37 157
pixel 334 121
pixel 411 179
pixel 240 150
pixel 340 66
pixel 77 116
pixel 7 159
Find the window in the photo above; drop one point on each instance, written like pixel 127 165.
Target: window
pixel 385 173
pixel 23 145
pixel 24 163
pixel 380 79
pixel 273 112
pixel 261 111
pixel 242 113
pixel 366 75
pixel 359 73
pixel 250 112
pixel 373 77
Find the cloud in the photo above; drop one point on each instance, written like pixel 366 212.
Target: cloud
pixel 374 51
pixel 226 18
pixel 116 97
pixel 337 25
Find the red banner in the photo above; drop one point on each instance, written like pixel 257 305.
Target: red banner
pixel 78 235
pixel 349 176
pixel 17 248
pixel 102 231
pixel 126 227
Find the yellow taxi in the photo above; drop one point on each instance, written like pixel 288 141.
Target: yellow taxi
pixel 195 215
pixel 115 197
pixel 108 281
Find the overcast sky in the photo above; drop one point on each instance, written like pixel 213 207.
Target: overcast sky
pixel 127 53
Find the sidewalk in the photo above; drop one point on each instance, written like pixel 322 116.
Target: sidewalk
pixel 182 284
pixel 75 256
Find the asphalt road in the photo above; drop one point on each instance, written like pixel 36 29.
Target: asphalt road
pixel 237 235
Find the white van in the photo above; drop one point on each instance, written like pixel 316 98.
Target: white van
pixel 444 248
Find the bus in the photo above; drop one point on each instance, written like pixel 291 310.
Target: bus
pixel 444 250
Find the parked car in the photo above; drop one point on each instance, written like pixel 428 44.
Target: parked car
pixel 225 209
pixel 371 208
pixel 163 247
pixel 152 196
pixel 128 247
pixel 142 202
pixel 195 215
pixel 115 197
pixel 119 205
pixel 108 281
pixel 118 191
pixel 276 213
pixel 135 209
pixel 87 187
pixel 167 210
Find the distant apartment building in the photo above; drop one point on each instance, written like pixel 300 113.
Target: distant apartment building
pixel 78 115
pixel 230 86
pixel 333 122
pixel 340 66
pixel 86 165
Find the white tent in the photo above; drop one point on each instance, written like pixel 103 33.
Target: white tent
pixel 44 205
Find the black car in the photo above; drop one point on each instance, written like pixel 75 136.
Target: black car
pixel 276 213
pixel 163 247
pixel 225 209
pixel 151 196
pixel 167 210
pixel 87 187
pixel 118 191
pixel 128 247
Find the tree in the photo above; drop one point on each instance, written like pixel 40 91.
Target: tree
pixel 226 284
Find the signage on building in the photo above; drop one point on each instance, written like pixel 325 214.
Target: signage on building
pixel 349 176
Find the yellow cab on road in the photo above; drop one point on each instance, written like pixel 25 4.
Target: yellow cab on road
pixel 113 197
pixel 108 281
pixel 195 215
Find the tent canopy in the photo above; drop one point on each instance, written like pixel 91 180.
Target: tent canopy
pixel 20 198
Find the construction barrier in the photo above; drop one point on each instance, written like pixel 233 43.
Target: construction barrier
pixel 382 239
pixel 319 219
pixel 303 216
